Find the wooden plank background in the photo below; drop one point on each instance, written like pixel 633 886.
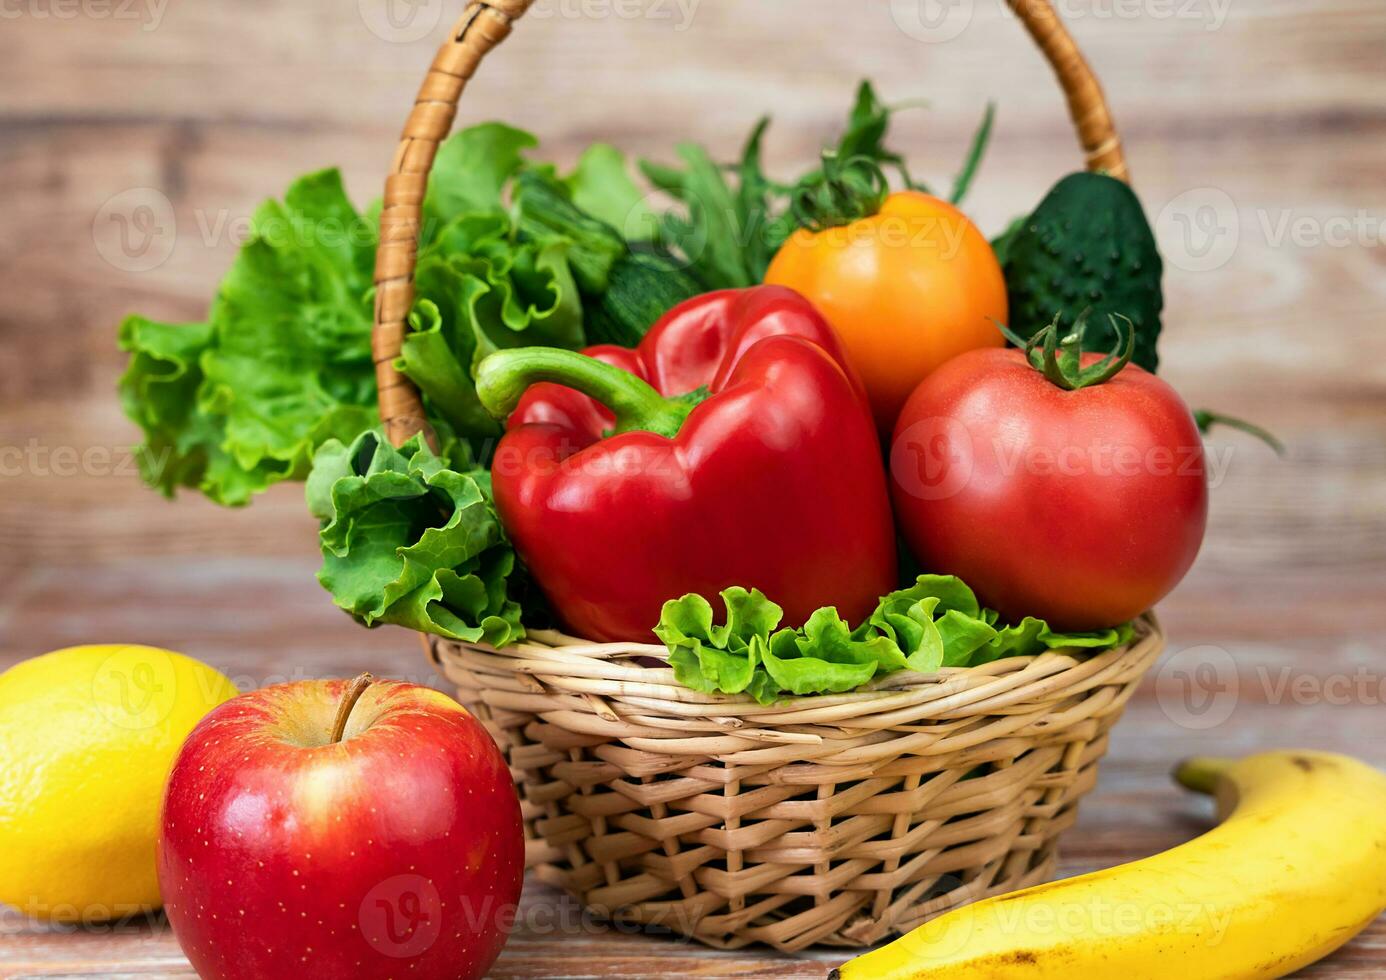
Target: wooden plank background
pixel 1257 136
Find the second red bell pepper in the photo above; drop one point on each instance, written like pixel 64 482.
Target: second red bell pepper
pixel 734 446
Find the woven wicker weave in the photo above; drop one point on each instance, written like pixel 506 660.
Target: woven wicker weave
pixel 837 819
pixel 833 819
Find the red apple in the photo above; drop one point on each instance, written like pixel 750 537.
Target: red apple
pixel 341 831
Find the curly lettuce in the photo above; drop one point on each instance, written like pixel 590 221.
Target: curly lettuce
pixel 410 541
pixel 935 623
pixel 486 293
pixel 283 362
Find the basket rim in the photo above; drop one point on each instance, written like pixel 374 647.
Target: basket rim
pixel 554 663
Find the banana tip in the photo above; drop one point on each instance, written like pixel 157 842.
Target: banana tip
pixel 1201 773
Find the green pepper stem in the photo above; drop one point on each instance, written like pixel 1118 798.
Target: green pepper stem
pixel 504 377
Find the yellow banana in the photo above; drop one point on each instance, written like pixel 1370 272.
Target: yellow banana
pixel 1295 870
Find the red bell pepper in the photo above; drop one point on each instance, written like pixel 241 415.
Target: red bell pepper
pixel 734 446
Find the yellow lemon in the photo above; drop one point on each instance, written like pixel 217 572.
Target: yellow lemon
pixel 87 738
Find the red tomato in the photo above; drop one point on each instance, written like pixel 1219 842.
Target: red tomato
pixel 1082 507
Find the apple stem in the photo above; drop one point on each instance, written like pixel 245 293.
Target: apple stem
pixel 353 694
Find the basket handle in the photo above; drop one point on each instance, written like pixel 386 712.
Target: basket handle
pixel 485 24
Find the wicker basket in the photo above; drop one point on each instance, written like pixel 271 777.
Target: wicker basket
pixel 837 819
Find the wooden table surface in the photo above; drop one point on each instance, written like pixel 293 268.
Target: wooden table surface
pixel 1257 140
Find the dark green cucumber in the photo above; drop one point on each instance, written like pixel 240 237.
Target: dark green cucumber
pixel 623 292
pixel 1088 246
pixel 642 288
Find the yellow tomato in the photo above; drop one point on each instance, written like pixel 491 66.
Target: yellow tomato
pixel 907 289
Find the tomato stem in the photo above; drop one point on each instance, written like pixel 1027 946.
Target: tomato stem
pixel 841 192
pixel 1059 357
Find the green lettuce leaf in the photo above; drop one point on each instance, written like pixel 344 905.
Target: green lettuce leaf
pixel 481 291
pixel 824 656
pixel 429 360
pixel 602 186
pixel 291 366
pixel 724 659
pixel 159 392
pixel 935 623
pixel 408 541
pixel 283 362
pixel 471 171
